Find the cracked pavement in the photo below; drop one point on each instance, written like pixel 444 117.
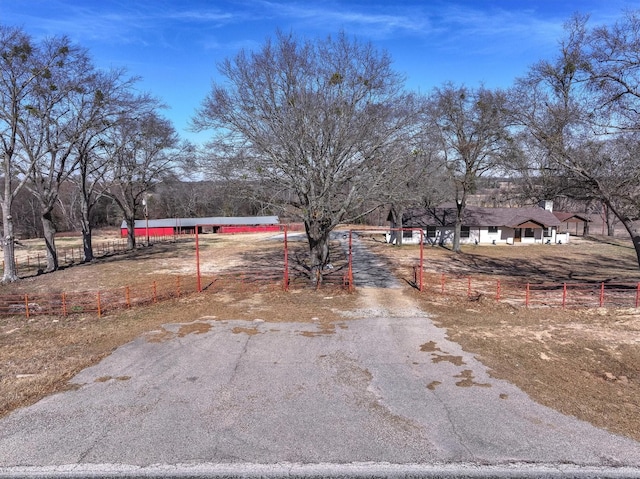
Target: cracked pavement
pixel 385 393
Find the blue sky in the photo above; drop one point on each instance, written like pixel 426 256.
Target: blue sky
pixel 175 45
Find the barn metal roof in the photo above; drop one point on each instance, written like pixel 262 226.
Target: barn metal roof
pixel 209 221
pixel 480 216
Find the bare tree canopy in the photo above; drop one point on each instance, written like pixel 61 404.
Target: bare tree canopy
pixel 41 86
pixel 144 150
pixel 111 98
pixel 579 117
pixel 469 130
pixel 324 121
pixel 17 78
pixel 55 121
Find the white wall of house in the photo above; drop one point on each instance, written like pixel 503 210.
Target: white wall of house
pixel 562 238
pixel 483 235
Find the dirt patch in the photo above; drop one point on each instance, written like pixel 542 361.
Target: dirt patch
pixel 248 331
pixel 194 328
pixel 455 360
pixel 429 347
pixel 159 336
pixel 104 379
pixel 467 380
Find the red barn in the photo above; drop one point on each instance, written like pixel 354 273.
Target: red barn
pixel 219 224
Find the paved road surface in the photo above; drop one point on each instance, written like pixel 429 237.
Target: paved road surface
pixel 384 394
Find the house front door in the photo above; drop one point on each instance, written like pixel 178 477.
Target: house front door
pixel 517 235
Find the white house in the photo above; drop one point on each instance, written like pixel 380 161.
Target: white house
pixel 482 225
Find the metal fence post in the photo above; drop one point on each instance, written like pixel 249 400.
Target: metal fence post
pixel 421 258
pixel 198 262
pixel 286 259
pixel 350 269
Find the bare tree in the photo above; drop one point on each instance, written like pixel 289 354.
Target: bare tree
pixel 469 128
pixel 580 112
pixel 109 99
pixel 143 153
pixel 319 119
pixel 54 123
pixel 17 76
pixel 36 80
pixel 613 71
pixel 420 181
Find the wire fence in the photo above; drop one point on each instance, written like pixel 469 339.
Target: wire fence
pixel 295 274
pixel 263 277
pixel 97 302
pixel 31 264
pixel 533 294
pixel 104 301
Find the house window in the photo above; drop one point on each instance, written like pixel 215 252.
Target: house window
pixel 493 229
pixel 548 232
pixel 529 233
pixel 431 231
pixel 465 232
pixel 407 234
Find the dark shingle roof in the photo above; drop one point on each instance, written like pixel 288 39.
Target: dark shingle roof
pixel 476 216
pixel 574 217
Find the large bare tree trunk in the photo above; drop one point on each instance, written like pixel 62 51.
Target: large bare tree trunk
pixel 8 245
pixel 87 245
pixel 587 224
pixel 318 237
pixel 131 233
pixel 633 228
pixel 609 219
pixel 396 222
pixel 457 233
pixel 49 231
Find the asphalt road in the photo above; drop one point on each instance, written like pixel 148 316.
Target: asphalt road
pixel 385 394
